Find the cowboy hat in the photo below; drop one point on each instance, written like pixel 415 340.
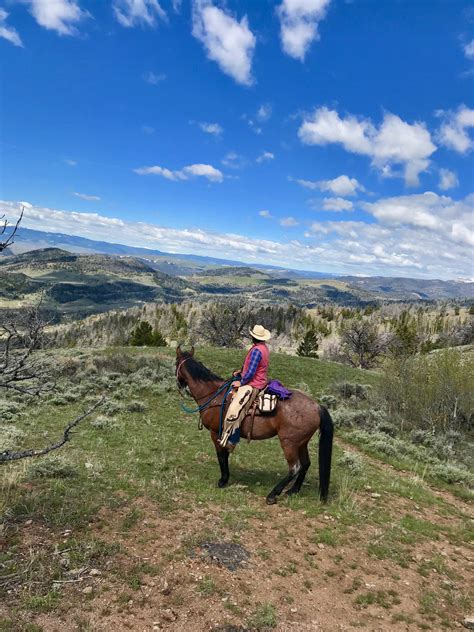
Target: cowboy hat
pixel 260 333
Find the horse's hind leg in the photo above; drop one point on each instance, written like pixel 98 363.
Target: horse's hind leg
pixel 305 463
pixel 294 468
pixel 223 458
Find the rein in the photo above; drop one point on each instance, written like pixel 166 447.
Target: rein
pixel 226 386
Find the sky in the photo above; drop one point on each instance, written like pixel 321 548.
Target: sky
pixel 326 135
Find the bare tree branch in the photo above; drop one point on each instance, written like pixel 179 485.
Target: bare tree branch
pixel 8 455
pixel 10 239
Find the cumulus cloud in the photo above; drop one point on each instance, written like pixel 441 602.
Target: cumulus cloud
pixel 440 214
pixel 199 170
pixel 447 179
pixel 394 143
pixel 227 41
pixel 342 185
pixel 469 50
pixel 211 128
pixel 385 246
pixel 453 132
pixel 8 32
pixel 154 78
pixel 299 20
pixel 265 214
pixel 288 222
pixel 61 16
pixel 265 157
pixel 88 198
pixel 337 204
pixel 130 13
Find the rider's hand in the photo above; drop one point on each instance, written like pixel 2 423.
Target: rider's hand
pixel 235 373
pixel 236 384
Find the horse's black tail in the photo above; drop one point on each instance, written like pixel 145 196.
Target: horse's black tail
pixel 326 430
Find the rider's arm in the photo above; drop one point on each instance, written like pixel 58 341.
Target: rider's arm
pixel 255 357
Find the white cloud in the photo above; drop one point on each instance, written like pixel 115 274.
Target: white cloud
pixel 227 41
pixel 265 157
pixel 453 132
pixel 88 198
pixel 299 20
pixel 211 128
pixel 264 112
pixel 337 204
pixel 349 247
pixel 469 50
pixel 450 220
pixel 71 163
pixel 288 222
pixel 8 32
pixel 393 143
pixel 147 129
pixel 177 5
pixel 265 214
pixel 58 15
pixel 130 13
pixel 447 179
pixel 199 170
pixel 233 160
pixel 342 185
pixel 154 78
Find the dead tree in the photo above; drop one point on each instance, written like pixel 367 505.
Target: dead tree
pixel 3 230
pixel 22 368
pixel 362 345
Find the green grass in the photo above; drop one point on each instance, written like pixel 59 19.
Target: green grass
pixel 158 455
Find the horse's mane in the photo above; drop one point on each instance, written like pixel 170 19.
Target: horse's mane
pixel 198 371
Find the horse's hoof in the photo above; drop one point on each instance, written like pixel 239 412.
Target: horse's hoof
pixel 221 483
pixel 271 500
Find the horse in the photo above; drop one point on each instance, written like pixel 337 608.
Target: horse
pixel 295 421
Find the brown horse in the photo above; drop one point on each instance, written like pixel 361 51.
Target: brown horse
pixel 295 422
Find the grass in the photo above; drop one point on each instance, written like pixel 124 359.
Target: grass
pixel 155 454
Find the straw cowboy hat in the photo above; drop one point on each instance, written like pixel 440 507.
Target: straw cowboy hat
pixel 260 333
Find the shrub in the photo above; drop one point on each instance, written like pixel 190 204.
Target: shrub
pixel 348 390
pixel 51 466
pixel 10 437
pixel 329 401
pixel 352 461
pixel 101 422
pixel 135 406
pixel 451 473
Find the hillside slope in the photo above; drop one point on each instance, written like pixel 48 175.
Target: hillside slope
pixel 128 530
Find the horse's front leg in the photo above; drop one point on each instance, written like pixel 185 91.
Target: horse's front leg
pixel 223 458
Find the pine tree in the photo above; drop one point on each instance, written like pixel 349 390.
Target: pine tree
pixel 308 347
pixel 142 334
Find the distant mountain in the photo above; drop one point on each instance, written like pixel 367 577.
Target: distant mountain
pixel 61 259
pixel 174 264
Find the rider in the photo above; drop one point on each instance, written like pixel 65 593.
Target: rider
pixel 250 381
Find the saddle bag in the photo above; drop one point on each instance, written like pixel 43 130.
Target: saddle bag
pixel 267 402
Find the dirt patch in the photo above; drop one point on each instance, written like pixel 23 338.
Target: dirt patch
pixel 227 554
pixel 188 571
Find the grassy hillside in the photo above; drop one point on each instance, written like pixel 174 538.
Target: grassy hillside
pixel 126 529
pixel 78 285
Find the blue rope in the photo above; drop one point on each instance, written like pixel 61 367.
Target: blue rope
pixel 227 385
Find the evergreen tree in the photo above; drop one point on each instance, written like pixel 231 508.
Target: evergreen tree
pixel 142 334
pixel 308 347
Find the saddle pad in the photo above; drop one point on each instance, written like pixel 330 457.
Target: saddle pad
pixel 267 403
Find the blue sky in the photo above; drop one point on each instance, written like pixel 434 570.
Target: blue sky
pixel 318 134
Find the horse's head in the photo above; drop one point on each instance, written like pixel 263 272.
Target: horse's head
pixel 181 358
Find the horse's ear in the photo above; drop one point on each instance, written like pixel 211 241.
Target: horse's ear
pixel 191 353
pixel 178 351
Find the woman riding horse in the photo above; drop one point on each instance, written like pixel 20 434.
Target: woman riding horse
pixel 295 422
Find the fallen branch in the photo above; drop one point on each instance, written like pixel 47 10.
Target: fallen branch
pixel 8 455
